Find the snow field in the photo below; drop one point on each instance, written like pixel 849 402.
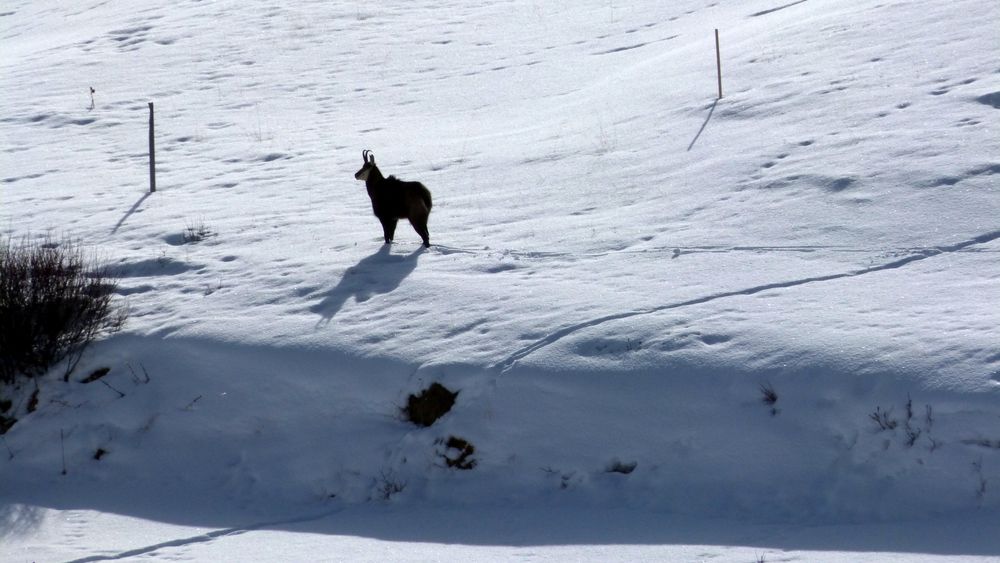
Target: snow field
pixel 620 264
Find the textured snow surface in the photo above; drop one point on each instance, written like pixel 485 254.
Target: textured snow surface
pixel 621 265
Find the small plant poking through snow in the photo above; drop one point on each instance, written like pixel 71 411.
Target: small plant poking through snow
pixel 977 469
pixel 883 418
pixel 196 233
pixel 914 427
pixel 431 404
pixel 769 397
pixel 912 432
pixel 388 485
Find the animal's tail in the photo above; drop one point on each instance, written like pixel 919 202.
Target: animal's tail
pixel 425 195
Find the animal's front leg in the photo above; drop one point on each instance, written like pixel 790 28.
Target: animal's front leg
pixel 388 228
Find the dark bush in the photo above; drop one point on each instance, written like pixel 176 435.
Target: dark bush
pixel 431 404
pixel 53 304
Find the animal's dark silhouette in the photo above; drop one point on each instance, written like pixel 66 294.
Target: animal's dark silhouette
pixel 393 199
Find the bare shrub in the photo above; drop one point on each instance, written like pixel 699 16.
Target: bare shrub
pixel 458 453
pixel 53 303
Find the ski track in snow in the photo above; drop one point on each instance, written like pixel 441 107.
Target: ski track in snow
pixel 508 363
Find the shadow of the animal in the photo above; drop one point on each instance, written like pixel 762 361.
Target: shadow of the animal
pixel 377 274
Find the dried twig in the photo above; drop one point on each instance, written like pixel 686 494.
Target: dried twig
pixel 108 385
pixel 62 444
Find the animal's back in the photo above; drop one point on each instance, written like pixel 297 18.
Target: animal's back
pixel 399 196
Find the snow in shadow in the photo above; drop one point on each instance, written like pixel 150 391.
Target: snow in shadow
pixel 18 520
pixel 565 526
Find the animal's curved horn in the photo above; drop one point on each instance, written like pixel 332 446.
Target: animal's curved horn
pixel 364 155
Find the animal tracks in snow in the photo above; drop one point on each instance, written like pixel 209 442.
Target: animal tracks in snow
pixel 944 88
pixel 984 170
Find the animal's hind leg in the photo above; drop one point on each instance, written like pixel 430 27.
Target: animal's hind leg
pixel 388 228
pixel 419 223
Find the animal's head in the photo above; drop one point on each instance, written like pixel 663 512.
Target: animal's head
pixel 369 159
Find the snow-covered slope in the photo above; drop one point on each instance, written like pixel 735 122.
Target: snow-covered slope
pixel 620 262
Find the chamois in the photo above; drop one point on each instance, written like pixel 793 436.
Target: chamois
pixel 394 199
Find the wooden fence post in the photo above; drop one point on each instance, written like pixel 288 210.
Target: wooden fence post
pixel 152 153
pixel 718 62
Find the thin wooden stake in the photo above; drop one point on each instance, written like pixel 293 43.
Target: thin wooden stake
pixel 718 62
pixel 152 153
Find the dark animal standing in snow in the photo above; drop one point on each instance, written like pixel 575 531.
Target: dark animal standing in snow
pixel 394 199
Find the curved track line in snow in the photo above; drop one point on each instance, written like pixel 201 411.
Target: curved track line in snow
pixel 201 538
pixel 509 362
pixel 677 251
